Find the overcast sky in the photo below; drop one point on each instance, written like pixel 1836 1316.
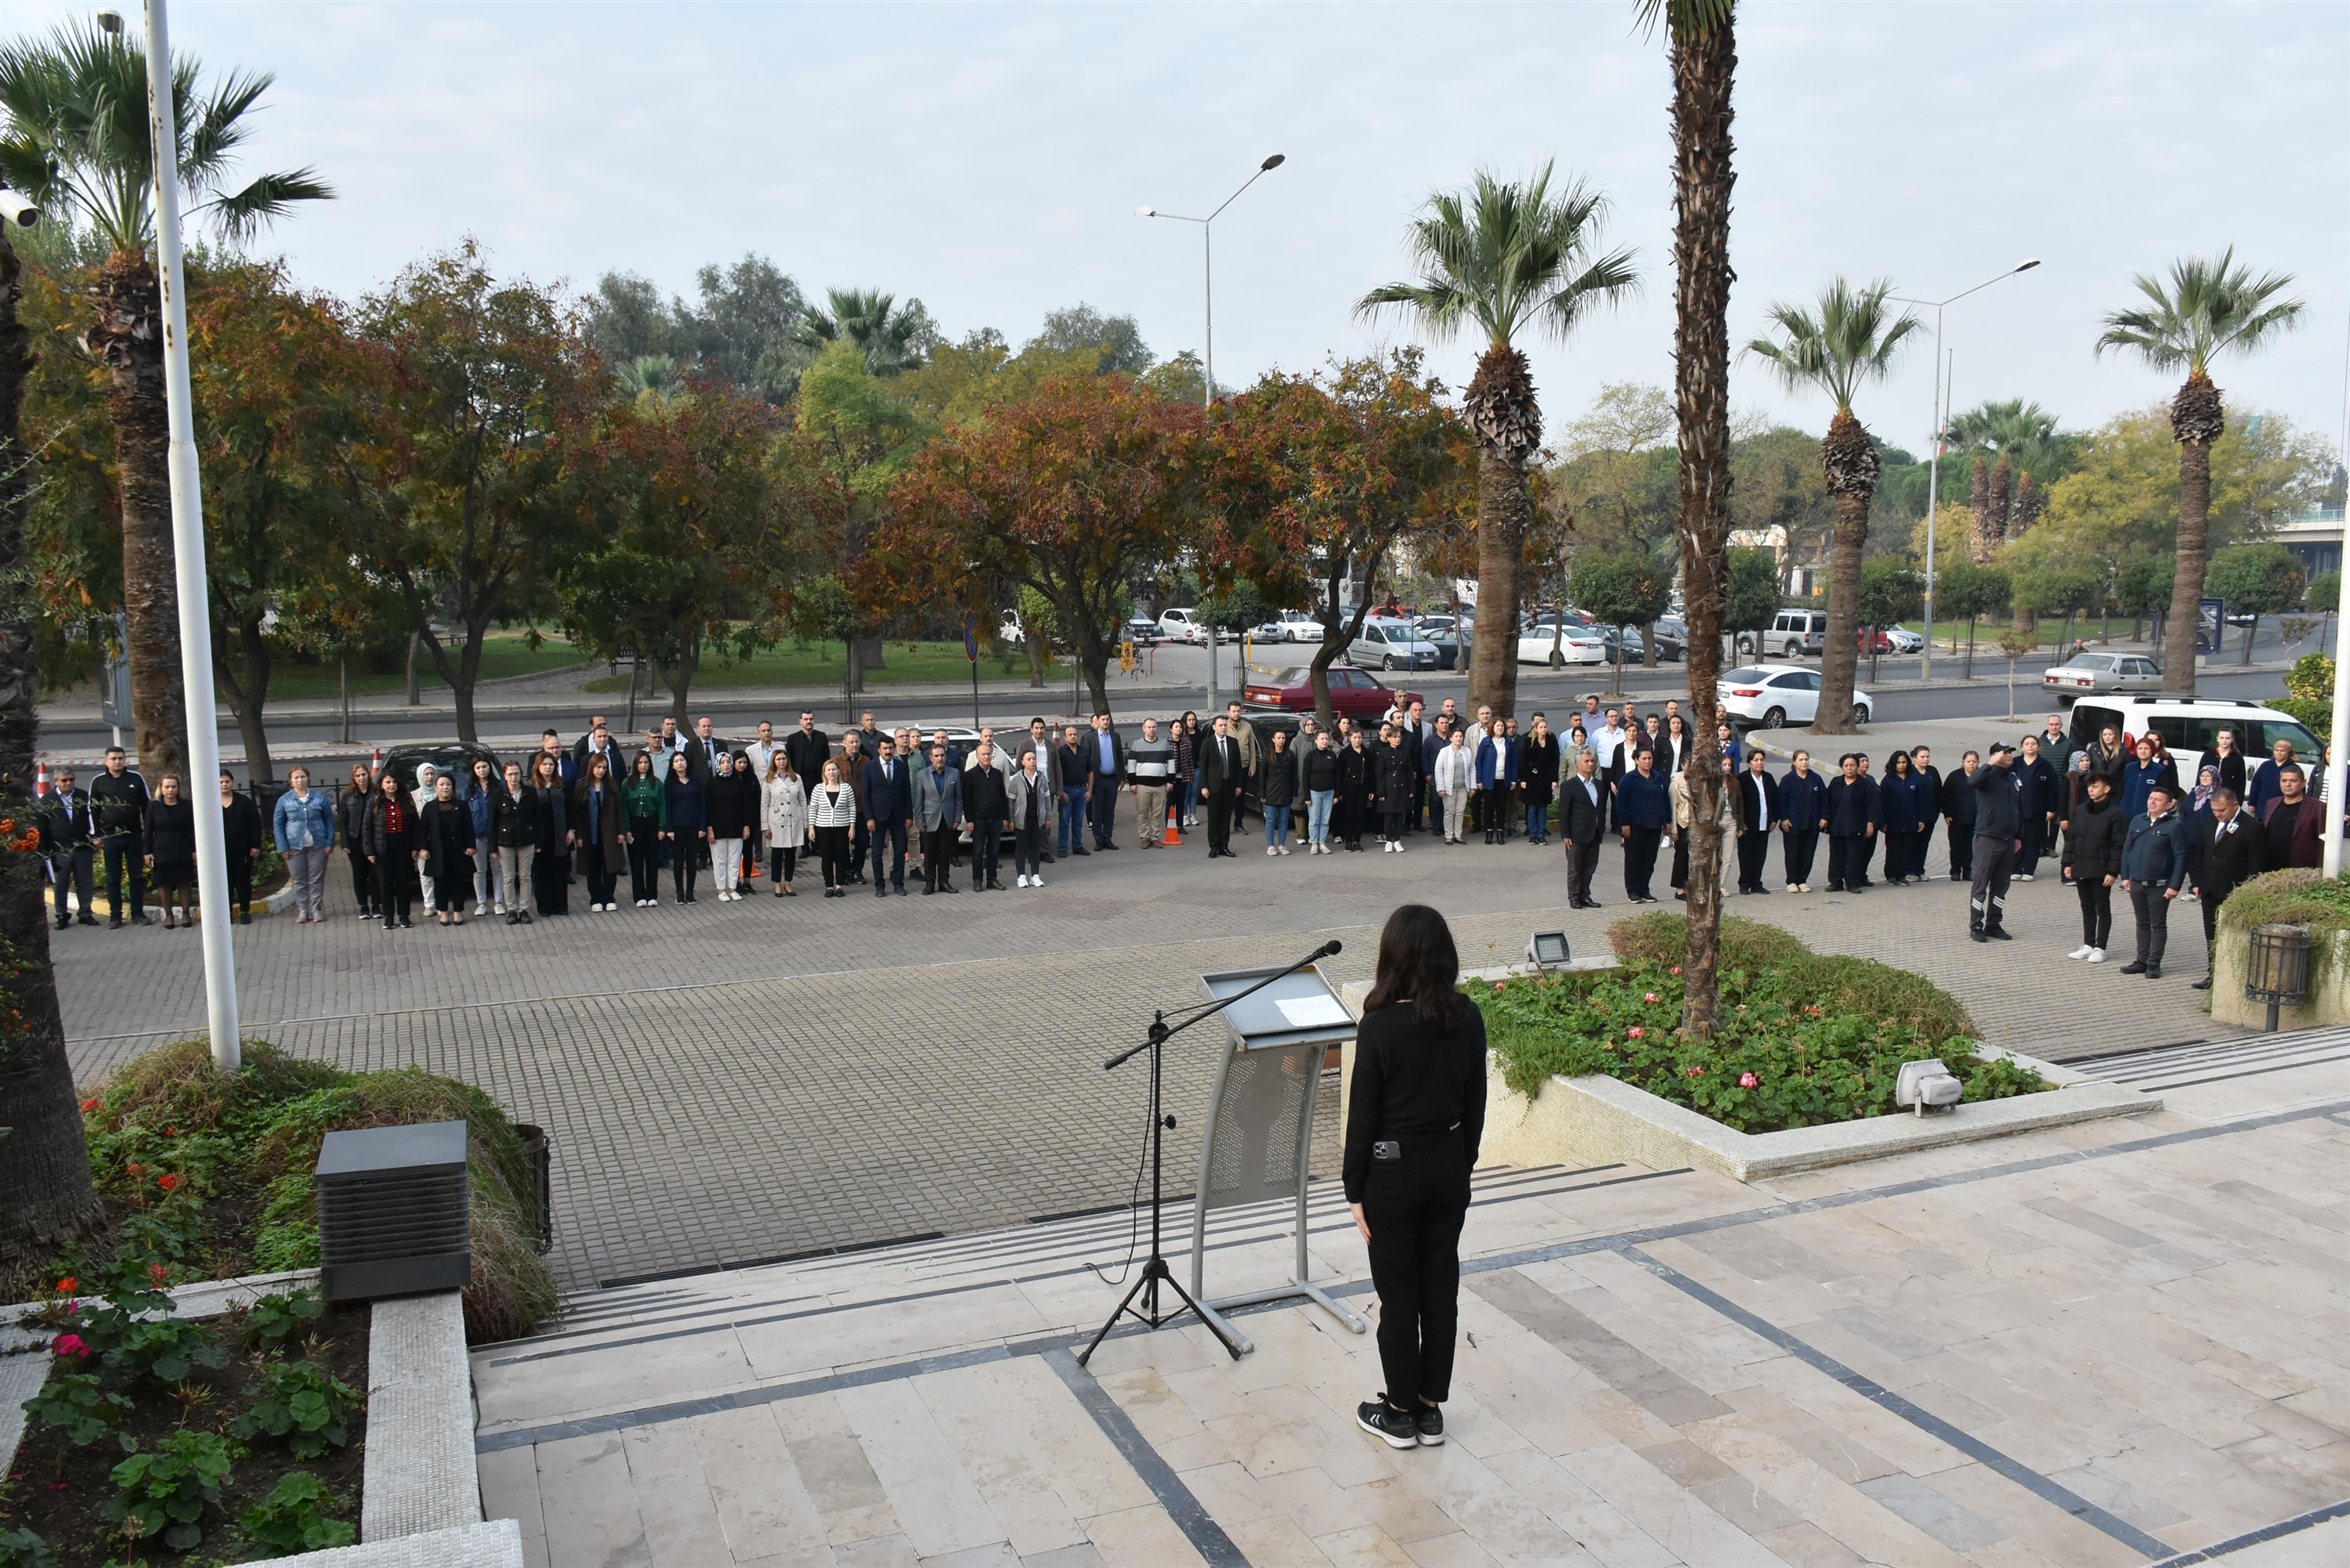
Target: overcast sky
pixel 990 158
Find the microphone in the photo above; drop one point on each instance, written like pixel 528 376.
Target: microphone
pixel 1331 948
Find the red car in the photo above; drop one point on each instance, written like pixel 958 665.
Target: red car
pixel 1884 643
pixel 1354 693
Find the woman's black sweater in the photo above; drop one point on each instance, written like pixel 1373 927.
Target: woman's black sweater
pixel 1423 1088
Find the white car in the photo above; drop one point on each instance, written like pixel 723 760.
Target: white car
pixel 1770 696
pixel 1296 625
pixel 1183 626
pixel 2087 673
pixel 1545 641
pixel 1903 640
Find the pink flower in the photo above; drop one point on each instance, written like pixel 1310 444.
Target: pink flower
pixel 1501 985
pixel 1651 996
pixel 1749 1081
pixel 1676 969
pixel 1692 1072
pixel 1636 1032
pixel 69 1344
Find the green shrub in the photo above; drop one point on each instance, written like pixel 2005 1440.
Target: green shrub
pixel 2293 898
pixel 1659 939
pixel 167 1492
pixel 1867 989
pixel 302 1405
pixel 2317 712
pixel 295 1518
pixel 78 1407
pixel 23 1549
pixel 272 1320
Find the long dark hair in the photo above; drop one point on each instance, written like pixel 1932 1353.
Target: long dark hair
pixel 1418 964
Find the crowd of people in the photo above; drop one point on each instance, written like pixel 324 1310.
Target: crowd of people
pixel 892 811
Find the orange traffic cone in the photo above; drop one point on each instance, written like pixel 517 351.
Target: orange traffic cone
pixel 41 781
pixel 1175 826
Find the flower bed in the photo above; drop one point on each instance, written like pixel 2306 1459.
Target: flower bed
pixel 159 1439
pixel 211 1176
pixel 1805 1038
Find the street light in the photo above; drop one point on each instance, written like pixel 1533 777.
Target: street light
pixel 188 546
pixel 1207 352
pixel 1934 455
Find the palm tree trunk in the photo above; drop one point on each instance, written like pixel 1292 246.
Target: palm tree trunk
pixel 1703 68
pixel 130 338
pixel 46 1196
pixel 2197 421
pixel 1501 542
pixel 1849 462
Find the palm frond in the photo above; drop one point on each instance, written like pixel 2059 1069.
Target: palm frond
pixel 240 215
pixel 2206 307
pixel 1850 341
pixel 1684 19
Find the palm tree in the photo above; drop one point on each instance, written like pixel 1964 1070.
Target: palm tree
pixel 1849 344
pixel 76 142
pixel 1504 257
pixel 2205 308
pixel 870 319
pixel 1702 51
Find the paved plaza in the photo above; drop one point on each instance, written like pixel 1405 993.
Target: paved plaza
pixel 2103 1345
pixel 732 1083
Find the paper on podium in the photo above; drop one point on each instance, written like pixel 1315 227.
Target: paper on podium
pixel 1314 1012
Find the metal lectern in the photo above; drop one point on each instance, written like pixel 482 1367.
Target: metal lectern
pixel 1259 1138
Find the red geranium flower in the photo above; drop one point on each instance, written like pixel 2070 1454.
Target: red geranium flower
pixel 66 1286
pixel 1749 1081
pixel 158 1272
pixel 91 1104
pixel 167 1182
pixel 1650 996
pixel 1636 1032
pixel 69 1344
pixel 1676 969
pixel 1692 1072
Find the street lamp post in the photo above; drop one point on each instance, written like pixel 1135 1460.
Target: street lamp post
pixel 188 548
pixel 1207 351
pixel 1934 453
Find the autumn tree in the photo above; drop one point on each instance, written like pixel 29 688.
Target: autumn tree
pixel 493 388
pixel 1076 492
pixel 1314 483
pixel 697 546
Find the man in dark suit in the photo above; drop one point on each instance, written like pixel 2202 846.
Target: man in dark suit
pixel 702 753
pixel 1644 810
pixel 2227 853
pixel 1222 773
pixel 807 750
pixel 1105 772
pixel 66 834
pixel 1582 823
pixel 886 792
pixel 1758 808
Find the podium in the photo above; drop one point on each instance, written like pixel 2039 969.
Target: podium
pixel 1260 1139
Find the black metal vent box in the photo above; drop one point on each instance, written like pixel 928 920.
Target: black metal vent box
pixel 394 1214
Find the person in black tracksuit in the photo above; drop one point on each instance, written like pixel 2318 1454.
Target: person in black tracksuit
pixel 1803 817
pixel 1958 811
pixel 1415 1117
pixel 118 808
pixel 1852 824
pixel 1998 837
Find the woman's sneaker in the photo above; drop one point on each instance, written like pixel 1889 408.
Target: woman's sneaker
pixel 2083 951
pixel 2096 955
pixel 1394 1427
pixel 1430 1423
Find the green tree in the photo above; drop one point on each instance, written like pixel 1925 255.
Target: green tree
pixel 2142 589
pixel 491 398
pixel 1621 591
pixel 1506 259
pixel 1116 340
pixel 1849 343
pixel 1751 600
pixel 1963 589
pixel 2206 308
pixel 892 338
pixel 2255 580
pixel 76 144
pixel 2324 595
pixel 1891 591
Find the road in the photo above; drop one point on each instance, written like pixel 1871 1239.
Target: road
pixel 737 713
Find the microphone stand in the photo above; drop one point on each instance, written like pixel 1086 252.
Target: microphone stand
pixel 1155 1269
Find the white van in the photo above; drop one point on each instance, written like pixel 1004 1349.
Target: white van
pixel 1182 626
pixel 1797 632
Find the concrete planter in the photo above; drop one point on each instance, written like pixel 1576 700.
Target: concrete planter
pixel 1599 1120
pixel 2329 979
pixel 419 1496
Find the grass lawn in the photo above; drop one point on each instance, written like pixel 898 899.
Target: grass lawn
pixel 2052 629
pixel 502 653
pixel 820 664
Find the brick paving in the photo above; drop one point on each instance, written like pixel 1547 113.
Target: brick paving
pixel 733 1082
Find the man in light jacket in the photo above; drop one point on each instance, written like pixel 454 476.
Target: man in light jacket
pixel 938 812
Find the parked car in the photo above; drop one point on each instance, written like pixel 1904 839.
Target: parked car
pixel 1797 633
pixel 1634 646
pixel 2086 673
pixel 1142 632
pixel 1439 633
pixel 1296 625
pixel 2188 725
pixel 1392 645
pixel 1672 640
pixel 1904 640
pixel 1873 639
pixel 1183 626
pixel 1559 641
pixel 1352 693
pixel 1770 696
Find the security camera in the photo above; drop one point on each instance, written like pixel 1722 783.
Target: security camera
pixel 14 208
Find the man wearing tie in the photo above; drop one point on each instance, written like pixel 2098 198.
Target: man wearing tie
pixel 702 753
pixel 1582 823
pixel 886 792
pixel 1220 773
pixel 66 834
pixel 1105 768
